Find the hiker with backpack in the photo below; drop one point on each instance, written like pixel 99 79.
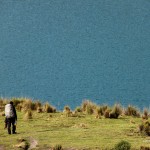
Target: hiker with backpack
pixel 10 117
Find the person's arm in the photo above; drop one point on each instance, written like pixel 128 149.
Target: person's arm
pixel 15 113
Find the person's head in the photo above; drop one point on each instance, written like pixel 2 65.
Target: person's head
pixel 11 102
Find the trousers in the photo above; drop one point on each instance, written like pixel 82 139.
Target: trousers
pixel 11 125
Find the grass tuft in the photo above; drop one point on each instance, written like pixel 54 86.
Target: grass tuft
pixel 116 111
pixel 67 111
pixel 48 108
pixel 123 145
pixel 132 111
pixel 57 147
pixel 145 114
pixel 88 107
pixel 144 148
pixel 28 115
pixel 144 128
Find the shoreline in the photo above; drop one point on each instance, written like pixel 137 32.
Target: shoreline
pixel 60 108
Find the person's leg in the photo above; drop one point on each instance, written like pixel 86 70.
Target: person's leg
pixel 13 126
pixel 9 125
pixel 5 123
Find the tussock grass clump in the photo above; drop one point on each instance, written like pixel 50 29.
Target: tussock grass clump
pixel 123 145
pixel 67 111
pixel 3 102
pixel 84 104
pixel 78 109
pixel 57 147
pixel 144 128
pixel 27 105
pixel 28 115
pixel 106 113
pixel 144 148
pixel 88 107
pixel 37 104
pixel 116 111
pixel 39 110
pixel 132 111
pixel 145 114
pixel 98 112
pixel 2 108
pixel 23 104
pixel 19 107
pixel 104 108
pixel 48 108
pixel 17 101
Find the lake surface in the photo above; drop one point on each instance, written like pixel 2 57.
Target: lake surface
pixel 65 51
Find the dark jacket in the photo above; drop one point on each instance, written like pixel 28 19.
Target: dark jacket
pixel 15 114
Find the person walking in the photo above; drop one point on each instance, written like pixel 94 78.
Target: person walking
pixel 11 117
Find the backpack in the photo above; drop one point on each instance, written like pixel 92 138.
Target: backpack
pixel 9 111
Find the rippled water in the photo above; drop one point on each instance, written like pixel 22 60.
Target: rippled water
pixel 65 51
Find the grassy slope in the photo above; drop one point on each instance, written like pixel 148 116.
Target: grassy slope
pixel 76 132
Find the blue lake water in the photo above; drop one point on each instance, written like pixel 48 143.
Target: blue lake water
pixel 64 51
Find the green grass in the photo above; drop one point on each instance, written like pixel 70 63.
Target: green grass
pixel 76 132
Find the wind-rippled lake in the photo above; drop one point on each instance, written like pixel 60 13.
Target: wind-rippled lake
pixel 64 51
